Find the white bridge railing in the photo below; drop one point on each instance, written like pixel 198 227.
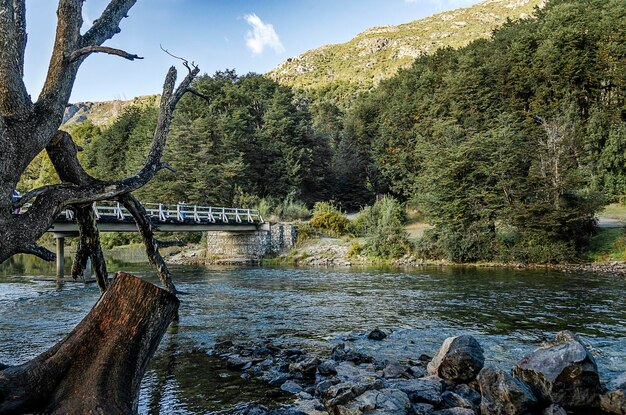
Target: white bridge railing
pixel 180 212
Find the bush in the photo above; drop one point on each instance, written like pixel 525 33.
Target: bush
pixel 305 232
pixel 325 207
pixel 292 209
pixel 388 241
pixel 356 248
pixel 331 223
pixel 383 225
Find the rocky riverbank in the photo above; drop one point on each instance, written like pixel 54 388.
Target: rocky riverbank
pixel 330 252
pixel 560 377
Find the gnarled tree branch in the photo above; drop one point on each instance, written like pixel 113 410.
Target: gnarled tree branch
pixel 89 246
pixel 147 235
pixel 77 54
pixel 199 94
pixel 108 24
pixel 39 251
pixel 14 99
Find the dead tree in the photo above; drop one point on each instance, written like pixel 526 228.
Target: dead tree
pixel 98 367
pixel 28 127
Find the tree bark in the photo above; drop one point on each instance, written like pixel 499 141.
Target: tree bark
pixel 98 367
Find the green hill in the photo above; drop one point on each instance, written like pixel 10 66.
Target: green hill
pixel 379 52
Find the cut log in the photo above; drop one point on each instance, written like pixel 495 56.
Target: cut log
pixel 98 367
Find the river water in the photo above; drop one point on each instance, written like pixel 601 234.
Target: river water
pixel 509 311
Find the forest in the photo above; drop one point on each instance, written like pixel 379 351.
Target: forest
pixel 508 146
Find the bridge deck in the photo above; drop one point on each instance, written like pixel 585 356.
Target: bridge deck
pixel 112 217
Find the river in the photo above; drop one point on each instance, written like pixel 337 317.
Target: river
pixel 510 312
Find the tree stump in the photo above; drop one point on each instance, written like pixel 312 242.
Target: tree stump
pixel 98 367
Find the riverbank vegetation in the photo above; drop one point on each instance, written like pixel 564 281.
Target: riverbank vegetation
pixel 507 147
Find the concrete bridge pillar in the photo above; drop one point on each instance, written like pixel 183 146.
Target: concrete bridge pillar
pixel 60 251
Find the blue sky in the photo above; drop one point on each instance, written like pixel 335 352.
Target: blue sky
pixel 249 36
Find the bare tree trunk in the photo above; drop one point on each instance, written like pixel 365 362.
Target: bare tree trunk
pixel 98 367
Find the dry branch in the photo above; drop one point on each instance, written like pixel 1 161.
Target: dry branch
pixel 77 54
pixel 150 242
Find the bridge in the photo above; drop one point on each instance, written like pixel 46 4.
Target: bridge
pixel 181 217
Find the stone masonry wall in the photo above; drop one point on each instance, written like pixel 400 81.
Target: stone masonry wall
pixel 270 239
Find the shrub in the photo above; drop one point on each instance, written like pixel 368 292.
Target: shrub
pixel 325 207
pixel 383 224
pixel 292 209
pixel 305 232
pixel 356 248
pixel 332 223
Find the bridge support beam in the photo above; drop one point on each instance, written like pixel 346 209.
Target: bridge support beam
pixel 60 251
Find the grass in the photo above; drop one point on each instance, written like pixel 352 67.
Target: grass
pixel 614 211
pixel 608 245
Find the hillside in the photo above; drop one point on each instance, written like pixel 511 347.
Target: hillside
pixel 104 113
pixel 379 52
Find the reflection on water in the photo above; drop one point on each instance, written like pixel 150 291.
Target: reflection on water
pixel 509 311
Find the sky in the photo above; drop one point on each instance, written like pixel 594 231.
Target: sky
pixel 246 35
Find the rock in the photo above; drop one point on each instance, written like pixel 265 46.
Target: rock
pixel 377 334
pixel 619 382
pixel 470 394
pixel 394 371
pixel 310 406
pixel 321 389
pixel 308 367
pixel 459 359
pixel 289 410
pixel 423 390
pixel 327 368
pixel 554 410
pixel 423 409
pixel 377 402
pixel 614 402
pixel 454 411
pixel 504 395
pixel 256 410
pixel 348 371
pixel 238 363
pixel 454 400
pixel 341 354
pixel 293 352
pixel 562 372
pixel 291 387
pixel 222 345
pixel 344 392
pixel 418 371
pixel 276 379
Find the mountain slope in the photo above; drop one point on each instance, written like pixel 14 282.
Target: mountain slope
pixel 105 112
pixel 379 52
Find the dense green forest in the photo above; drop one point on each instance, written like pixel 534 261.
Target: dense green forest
pixel 507 146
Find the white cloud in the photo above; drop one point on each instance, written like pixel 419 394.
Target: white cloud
pixel 261 35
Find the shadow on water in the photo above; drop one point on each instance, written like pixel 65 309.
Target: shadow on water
pixel 509 311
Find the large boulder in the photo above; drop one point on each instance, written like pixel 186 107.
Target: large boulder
pixel 562 372
pixel 459 359
pixel 503 394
